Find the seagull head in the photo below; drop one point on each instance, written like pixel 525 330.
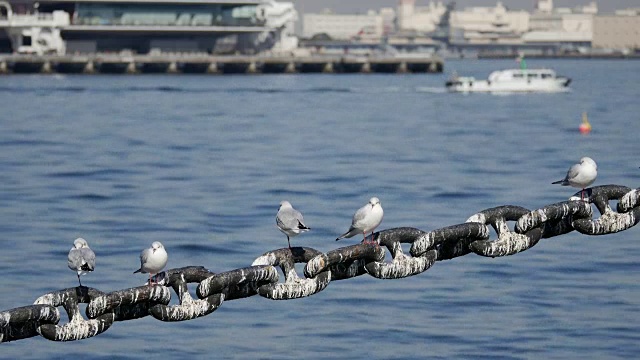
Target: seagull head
pixel 156 246
pixel 80 243
pixel 374 201
pixel 285 204
pixel 587 160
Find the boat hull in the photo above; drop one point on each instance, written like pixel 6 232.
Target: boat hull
pixel 558 85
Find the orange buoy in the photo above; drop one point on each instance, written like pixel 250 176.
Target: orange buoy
pixel 585 127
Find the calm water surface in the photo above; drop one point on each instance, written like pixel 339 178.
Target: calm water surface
pixel 201 163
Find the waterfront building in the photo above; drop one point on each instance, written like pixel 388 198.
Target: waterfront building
pixel 488 24
pixel 544 6
pixel 572 29
pixel 143 26
pixel 343 26
pixel 420 19
pixel 617 31
pixel 388 20
pixel 21 36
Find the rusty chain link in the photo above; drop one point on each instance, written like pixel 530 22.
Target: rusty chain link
pixel 262 277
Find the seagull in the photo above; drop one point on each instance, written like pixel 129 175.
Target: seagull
pixel 152 260
pixel 81 258
pixel 290 221
pixel 365 220
pixel 580 175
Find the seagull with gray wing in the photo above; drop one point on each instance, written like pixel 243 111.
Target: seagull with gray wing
pixel 580 175
pixel 153 260
pixel 365 220
pixel 290 221
pixel 81 258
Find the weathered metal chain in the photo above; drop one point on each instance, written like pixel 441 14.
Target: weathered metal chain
pixel 262 278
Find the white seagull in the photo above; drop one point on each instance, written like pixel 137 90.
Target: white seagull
pixel 290 221
pixel 152 260
pixel 580 175
pixel 81 258
pixel 365 220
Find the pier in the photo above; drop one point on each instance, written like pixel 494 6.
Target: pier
pixel 210 64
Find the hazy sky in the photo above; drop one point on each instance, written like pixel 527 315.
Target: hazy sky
pixel 361 6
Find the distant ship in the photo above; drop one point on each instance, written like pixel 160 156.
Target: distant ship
pixel 146 27
pixel 511 80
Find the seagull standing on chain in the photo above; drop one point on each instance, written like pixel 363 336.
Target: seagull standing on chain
pixel 152 260
pixel 81 258
pixel 580 175
pixel 290 221
pixel 365 220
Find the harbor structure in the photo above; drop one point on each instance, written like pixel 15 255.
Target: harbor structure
pixel 172 36
pixel 493 30
pixel 144 26
pixel 176 63
pixel 186 32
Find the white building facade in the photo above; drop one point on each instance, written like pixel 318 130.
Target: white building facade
pixel 620 31
pixel 419 18
pixel 571 28
pixel 142 26
pixel 488 24
pixel 564 25
pixel 342 27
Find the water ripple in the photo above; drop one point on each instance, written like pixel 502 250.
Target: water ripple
pixel 201 163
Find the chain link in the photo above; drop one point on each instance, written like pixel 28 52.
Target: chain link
pixel 293 287
pixel 261 278
pixel 77 328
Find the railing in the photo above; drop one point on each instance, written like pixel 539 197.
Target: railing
pixel 197 20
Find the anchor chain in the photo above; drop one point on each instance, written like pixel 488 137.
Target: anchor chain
pixel 294 287
pixel 262 277
pixel 77 328
pixel 509 242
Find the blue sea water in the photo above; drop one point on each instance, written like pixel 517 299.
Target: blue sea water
pixel 201 163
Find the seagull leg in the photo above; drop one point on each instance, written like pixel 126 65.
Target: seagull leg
pixel 150 283
pixel 80 282
pixel 288 241
pixel 367 241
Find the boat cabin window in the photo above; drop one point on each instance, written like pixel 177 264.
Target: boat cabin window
pixel 532 75
pixel 546 75
pixel 518 76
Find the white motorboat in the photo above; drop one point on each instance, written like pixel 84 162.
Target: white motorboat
pixel 511 80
